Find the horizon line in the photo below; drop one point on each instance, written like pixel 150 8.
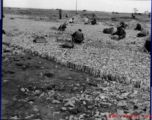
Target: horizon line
pixel 66 9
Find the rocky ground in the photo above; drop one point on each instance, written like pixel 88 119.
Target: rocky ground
pixel 99 54
pixel 38 89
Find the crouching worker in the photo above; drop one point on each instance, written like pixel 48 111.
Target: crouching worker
pixel 138 27
pixel 147 45
pixel 94 22
pixel 71 20
pixel 62 27
pixel 123 24
pixel 119 34
pixel 78 36
pixel 86 21
pixel 144 32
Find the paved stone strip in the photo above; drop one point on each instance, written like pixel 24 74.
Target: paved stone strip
pixel 90 60
pixel 84 68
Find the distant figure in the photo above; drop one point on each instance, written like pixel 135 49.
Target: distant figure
pixel 66 16
pixel 144 32
pixel 86 21
pixel 71 20
pixel 78 36
pixel 62 27
pixel 133 16
pixel 3 32
pixel 94 22
pixel 119 34
pixel 60 14
pixel 147 44
pixel 149 15
pixel 123 24
pixel 138 27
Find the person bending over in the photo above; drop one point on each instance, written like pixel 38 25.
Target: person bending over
pixel 144 32
pixel 94 22
pixel 119 34
pixel 138 27
pixel 62 27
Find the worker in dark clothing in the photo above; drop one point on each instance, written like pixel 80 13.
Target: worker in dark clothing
pixel 94 22
pixel 138 27
pixel 147 44
pixel 133 16
pixel 62 27
pixel 60 14
pixel 149 15
pixel 119 34
pixel 3 32
pixel 78 36
pixel 123 24
pixel 66 16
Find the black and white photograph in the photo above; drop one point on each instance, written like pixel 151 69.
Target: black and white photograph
pixel 76 60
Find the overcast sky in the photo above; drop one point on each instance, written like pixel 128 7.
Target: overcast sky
pixel 94 5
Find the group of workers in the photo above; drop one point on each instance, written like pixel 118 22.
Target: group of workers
pixel 117 33
pixel 120 33
pixel 62 27
pixel 143 32
pixel 92 22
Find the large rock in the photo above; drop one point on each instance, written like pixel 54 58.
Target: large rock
pixel 67 45
pixel 39 40
pixel 48 75
pixel 109 30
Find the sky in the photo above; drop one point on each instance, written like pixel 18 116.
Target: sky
pixel 93 5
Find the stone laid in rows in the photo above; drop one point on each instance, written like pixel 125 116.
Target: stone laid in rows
pixel 80 67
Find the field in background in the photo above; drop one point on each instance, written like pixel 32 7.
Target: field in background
pixel 101 16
